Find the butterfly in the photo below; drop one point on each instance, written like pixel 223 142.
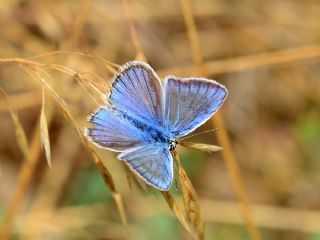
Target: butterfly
pixel 145 117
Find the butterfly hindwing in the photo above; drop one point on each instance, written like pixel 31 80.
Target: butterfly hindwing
pixel 112 131
pixel 153 163
pixel 189 102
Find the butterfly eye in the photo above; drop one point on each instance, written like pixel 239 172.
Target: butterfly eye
pixel 173 145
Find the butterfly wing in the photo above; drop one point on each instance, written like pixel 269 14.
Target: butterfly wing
pixel 153 163
pixel 136 106
pixel 137 90
pixel 190 102
pixel 112 131
pixel 140 114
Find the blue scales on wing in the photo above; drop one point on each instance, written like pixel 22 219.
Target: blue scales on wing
pixel 151 162
pixel 112 131
pixel 133 125
pixel 189 102
pixel 135 114
pixel 137 90
pixel 144 118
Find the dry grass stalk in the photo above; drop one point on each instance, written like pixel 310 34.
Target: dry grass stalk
pixel 92 91
pixel 36 74
pixel 190 200
pixel 236 178
pixel 287 218
pixel 27 170
pixel 248 62
pixel 172 203
pixel 20 133
pixel 202 146
pixel 79 23
pixel 44 133
pixel 133 33
pixel 25 176
pixel 23 100
pixel 47 201
pixel 223 138
pixel 111 66
pixel 217 211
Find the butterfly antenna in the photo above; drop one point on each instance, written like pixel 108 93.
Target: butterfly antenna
pixel 196 134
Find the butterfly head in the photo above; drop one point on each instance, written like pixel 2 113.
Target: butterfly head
pixel 173 144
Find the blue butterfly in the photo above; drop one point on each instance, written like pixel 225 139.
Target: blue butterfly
pixel 144 118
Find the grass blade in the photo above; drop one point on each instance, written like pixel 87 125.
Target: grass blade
pixel 38 76
pixel 190 200
pixel 223 137
pixel 19 131
pixel 202 146
pixel 44 134
pixel 176 210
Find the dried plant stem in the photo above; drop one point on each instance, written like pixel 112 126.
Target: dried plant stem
pixel 133 32
pixel 223 138
pixel 224 212
pixel 103 170
pixel 190 200
pixel 81 54
pixel 21 61
pixel 79 23
pixel 28 168
pixel 177 211
pixel 211 67
pixel 269 217
pixel 44 131
pixel 248 62
pixel 45 201
pixel 25 177
pixel 201 146
pixel 22 100
pixel 235 175
pixel 19 131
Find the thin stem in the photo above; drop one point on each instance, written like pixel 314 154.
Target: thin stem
pixel 223 138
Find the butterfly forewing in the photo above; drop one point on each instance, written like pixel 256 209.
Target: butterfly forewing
pixel 189 102
pixel 138 92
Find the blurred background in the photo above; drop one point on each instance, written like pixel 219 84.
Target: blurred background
pixel 265 52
